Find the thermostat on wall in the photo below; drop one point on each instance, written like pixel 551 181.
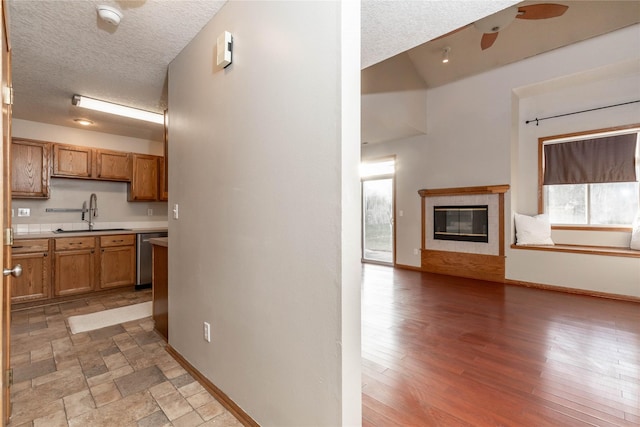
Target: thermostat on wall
pixel 225 46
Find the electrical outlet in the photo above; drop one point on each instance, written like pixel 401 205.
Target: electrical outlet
pixel 149 212
pixel 416 251
pixel 24 212
pixel 207 332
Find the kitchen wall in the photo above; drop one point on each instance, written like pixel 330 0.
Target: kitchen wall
pixel 114 210
pixel 476 136
pixel 264 159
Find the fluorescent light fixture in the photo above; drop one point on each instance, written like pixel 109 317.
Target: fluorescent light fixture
pixel 120 110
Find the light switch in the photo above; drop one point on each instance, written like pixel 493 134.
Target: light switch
pixel 175 211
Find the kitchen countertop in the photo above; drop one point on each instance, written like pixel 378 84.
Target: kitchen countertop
pixel 160 241
pixel 81 233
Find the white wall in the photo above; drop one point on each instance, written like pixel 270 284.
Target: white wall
pixel 267 192
pixel 70 193
pixel 476 137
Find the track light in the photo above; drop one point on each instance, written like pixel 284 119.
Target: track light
pixel 120 110
pixel 445 54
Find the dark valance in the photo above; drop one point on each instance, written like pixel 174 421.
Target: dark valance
pixel 608 159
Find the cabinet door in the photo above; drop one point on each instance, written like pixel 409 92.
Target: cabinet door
pixel 144 180
pixel 30 169
pixel 117 266
pixel 74 272
pixel 113 165
pixel 35 281
pixel 72 161
pixel 164 180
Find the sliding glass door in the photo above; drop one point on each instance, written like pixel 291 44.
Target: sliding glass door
pixel 378 213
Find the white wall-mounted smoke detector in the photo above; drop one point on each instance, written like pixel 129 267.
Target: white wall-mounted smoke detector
pixel 109 14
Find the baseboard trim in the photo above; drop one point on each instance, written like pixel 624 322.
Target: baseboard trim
pixel 408 267
pixel 225 400
pixel 566 290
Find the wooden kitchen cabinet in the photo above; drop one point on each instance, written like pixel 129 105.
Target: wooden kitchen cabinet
pixel 72 161
pixel 30 169
pixel 112 165
pixel 117 260
pixel 144 178
pixel 35 281
pixel 164 181
pixel 74 265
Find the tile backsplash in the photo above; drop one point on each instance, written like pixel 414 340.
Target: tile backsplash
pixel 81 226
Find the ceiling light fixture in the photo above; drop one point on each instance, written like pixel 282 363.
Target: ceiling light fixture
pixel 120 110
pixel 445 54
pixel 83 122
pixel 109 14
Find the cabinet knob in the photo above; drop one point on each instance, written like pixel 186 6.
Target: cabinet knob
pixel 15 271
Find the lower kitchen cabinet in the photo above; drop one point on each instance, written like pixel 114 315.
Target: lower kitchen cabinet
pixel 35 281
pixel 117 260
pixel 74 265
pixel 63 266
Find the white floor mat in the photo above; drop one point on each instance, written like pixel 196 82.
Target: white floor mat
pixel 102 319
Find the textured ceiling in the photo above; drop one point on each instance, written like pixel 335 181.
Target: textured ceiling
pixel 61 48
pixel 385 83
pixel 393 26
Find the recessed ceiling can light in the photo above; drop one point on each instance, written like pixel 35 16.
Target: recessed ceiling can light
pixel 83 122
pixel 120 110
pixel 109 14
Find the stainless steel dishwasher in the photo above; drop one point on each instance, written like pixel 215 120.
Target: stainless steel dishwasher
pixel 143 258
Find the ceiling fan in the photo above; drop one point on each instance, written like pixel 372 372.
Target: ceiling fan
pixel 491 25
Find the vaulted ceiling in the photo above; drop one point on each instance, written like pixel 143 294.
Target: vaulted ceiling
pixel 393 82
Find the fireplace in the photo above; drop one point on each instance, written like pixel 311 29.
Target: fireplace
pixel 461 223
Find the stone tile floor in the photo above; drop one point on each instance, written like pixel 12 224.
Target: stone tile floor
pixel 116 376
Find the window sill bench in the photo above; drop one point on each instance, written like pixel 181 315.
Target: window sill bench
pixel 583 249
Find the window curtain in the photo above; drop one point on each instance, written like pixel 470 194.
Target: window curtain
pixel 588 161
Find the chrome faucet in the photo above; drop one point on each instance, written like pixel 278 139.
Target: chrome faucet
pixel 93 209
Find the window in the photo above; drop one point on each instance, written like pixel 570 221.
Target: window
pixel 591 179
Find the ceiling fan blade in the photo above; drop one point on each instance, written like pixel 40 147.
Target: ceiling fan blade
pixel 541 11
pixel 487 40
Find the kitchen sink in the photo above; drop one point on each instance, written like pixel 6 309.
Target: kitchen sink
pixel 95 230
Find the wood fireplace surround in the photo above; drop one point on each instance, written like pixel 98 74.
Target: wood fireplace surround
pixel 478 262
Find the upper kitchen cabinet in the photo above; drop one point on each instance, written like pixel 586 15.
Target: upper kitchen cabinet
pixel 30 169
pixel 144 179
pixel 164 185
pixel 71 161
pixel 113 165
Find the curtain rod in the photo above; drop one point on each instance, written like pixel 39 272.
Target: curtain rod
pixel 537 120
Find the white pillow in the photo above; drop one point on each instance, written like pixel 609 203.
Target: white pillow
pixel 533 230
pixel 635 234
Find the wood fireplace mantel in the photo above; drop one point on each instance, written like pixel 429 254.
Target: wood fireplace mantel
pixel 461 191
pixel 484 267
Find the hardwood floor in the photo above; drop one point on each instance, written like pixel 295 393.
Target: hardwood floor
pixel 446 351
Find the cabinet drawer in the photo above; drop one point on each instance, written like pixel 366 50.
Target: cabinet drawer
pixel 67 243
pixel 117 240
pixel 30 245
